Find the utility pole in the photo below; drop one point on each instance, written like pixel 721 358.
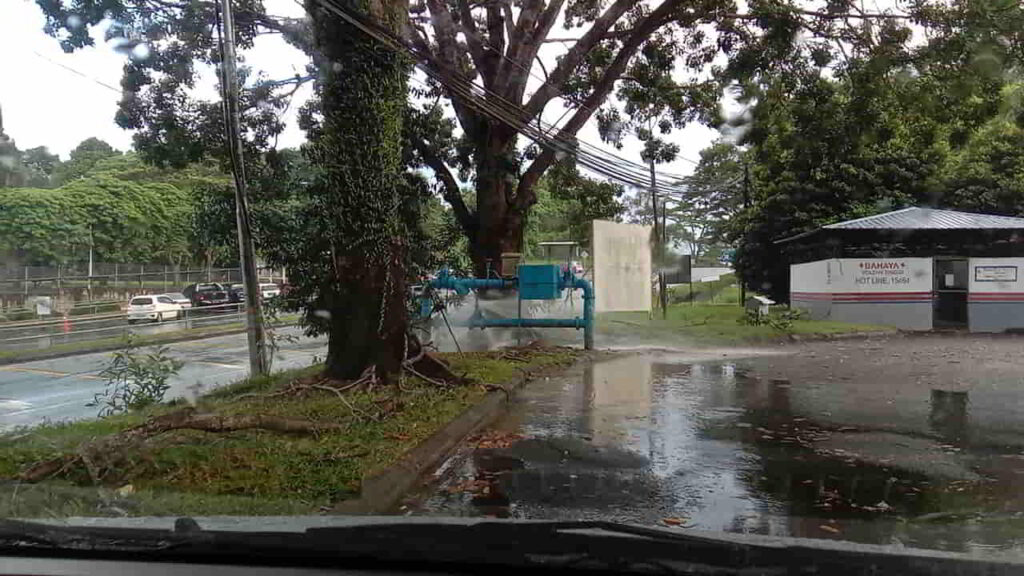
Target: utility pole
pixel 746 204
pixel 258 364
pixel 659 240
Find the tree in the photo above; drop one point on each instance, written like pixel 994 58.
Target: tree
pixel 40 165
pixel 699 215
pixel 82 159
pixel 873 135
pixel 350 261
pixel 567 202
pixel 496 44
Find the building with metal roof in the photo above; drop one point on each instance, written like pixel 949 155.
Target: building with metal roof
pixel 915 268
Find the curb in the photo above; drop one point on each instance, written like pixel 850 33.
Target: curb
pixel 841 336
pixel 380 492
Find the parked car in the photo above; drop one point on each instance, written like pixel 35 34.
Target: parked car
pixel 268 291
pixel 155 308
pixel 180 299
pixel 236 293
pixel 206 294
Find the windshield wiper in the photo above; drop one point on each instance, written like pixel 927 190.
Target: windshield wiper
pixel 448 544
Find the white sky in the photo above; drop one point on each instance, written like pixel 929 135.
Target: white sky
pixel 45 104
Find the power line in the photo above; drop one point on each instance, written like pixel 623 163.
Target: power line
pixel 488 46
pixel 76 72
pixel 498 108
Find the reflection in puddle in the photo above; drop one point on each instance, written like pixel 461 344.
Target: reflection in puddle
pixel 642 438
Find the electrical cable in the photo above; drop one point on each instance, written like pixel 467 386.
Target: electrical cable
pixel 497 108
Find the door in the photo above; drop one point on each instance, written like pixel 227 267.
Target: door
pixel 950 303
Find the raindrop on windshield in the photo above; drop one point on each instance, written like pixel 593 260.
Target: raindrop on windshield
pixel 140 51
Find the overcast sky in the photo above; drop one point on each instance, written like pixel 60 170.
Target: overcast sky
pixel 45 103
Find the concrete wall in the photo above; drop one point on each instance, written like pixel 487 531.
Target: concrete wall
pixel 995 299
pixel 887 291
pixel 621 255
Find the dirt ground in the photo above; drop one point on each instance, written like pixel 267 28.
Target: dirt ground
pixel 951 386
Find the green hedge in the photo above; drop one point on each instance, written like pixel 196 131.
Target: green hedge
pixel 98 308
pixel 17 314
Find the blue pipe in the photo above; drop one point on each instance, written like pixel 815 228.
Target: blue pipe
pixel 463 286
pixel 588 310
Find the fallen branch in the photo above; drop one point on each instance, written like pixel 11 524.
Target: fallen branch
pixel 186 419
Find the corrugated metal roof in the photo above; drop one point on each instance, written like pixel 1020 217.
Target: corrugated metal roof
pixel 929 219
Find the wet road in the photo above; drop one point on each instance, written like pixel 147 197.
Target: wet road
pixel 730 444
pixel 42 335
pixel 59 389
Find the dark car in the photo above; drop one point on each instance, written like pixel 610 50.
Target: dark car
pixel 236 293
pixel 206 294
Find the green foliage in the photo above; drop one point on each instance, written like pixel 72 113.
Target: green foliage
pixel 135 380
pixel 127 211
pixel 257 471
pixel 82 159
pixel 781 320
pixel 567 201
pixel 713 195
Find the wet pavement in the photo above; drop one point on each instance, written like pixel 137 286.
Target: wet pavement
pixel 826 440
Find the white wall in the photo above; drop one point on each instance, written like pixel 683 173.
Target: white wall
pixel 811 277
pixel 622 266
pixel 888 291
pixel 872 275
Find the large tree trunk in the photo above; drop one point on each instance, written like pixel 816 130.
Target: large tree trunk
pixel 358 149
pixel 501 222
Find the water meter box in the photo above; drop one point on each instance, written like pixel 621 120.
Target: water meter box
pixel 539 282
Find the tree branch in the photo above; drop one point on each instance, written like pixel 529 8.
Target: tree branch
pixel 524 191
pixel 528 49
pixel 825 15
pixel 572 59
pixel 468 26
pixel 449 186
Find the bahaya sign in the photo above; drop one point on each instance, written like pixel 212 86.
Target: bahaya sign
pixel 880 275
pixel 887 272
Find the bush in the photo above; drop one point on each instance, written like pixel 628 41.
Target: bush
pixel 135 380
pixel 83 309
pixel 780 319
pixel 17 315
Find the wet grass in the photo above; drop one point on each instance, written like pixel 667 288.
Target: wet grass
pixel 715 323
pixel 251 472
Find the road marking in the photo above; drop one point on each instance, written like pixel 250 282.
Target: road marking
pixel 218 364
pixel 49 372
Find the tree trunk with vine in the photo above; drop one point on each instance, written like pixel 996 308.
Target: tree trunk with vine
pixel 357 147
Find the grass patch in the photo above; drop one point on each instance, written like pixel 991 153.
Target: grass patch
pixel 715 324
pixel 722 291
pixel 252 472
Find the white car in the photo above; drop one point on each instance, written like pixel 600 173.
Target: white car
pixel 155 307
pixel 268 291
pixel 180 299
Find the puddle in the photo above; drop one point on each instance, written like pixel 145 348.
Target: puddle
pixel 652 437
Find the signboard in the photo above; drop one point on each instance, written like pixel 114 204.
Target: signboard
pixel 995 273
pixel 882 273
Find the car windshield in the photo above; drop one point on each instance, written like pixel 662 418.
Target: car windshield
pixel 720 267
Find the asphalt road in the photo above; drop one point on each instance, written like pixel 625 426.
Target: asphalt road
pixel 59 389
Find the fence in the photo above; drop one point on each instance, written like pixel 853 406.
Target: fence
pixel 110 281
pixel 37 335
